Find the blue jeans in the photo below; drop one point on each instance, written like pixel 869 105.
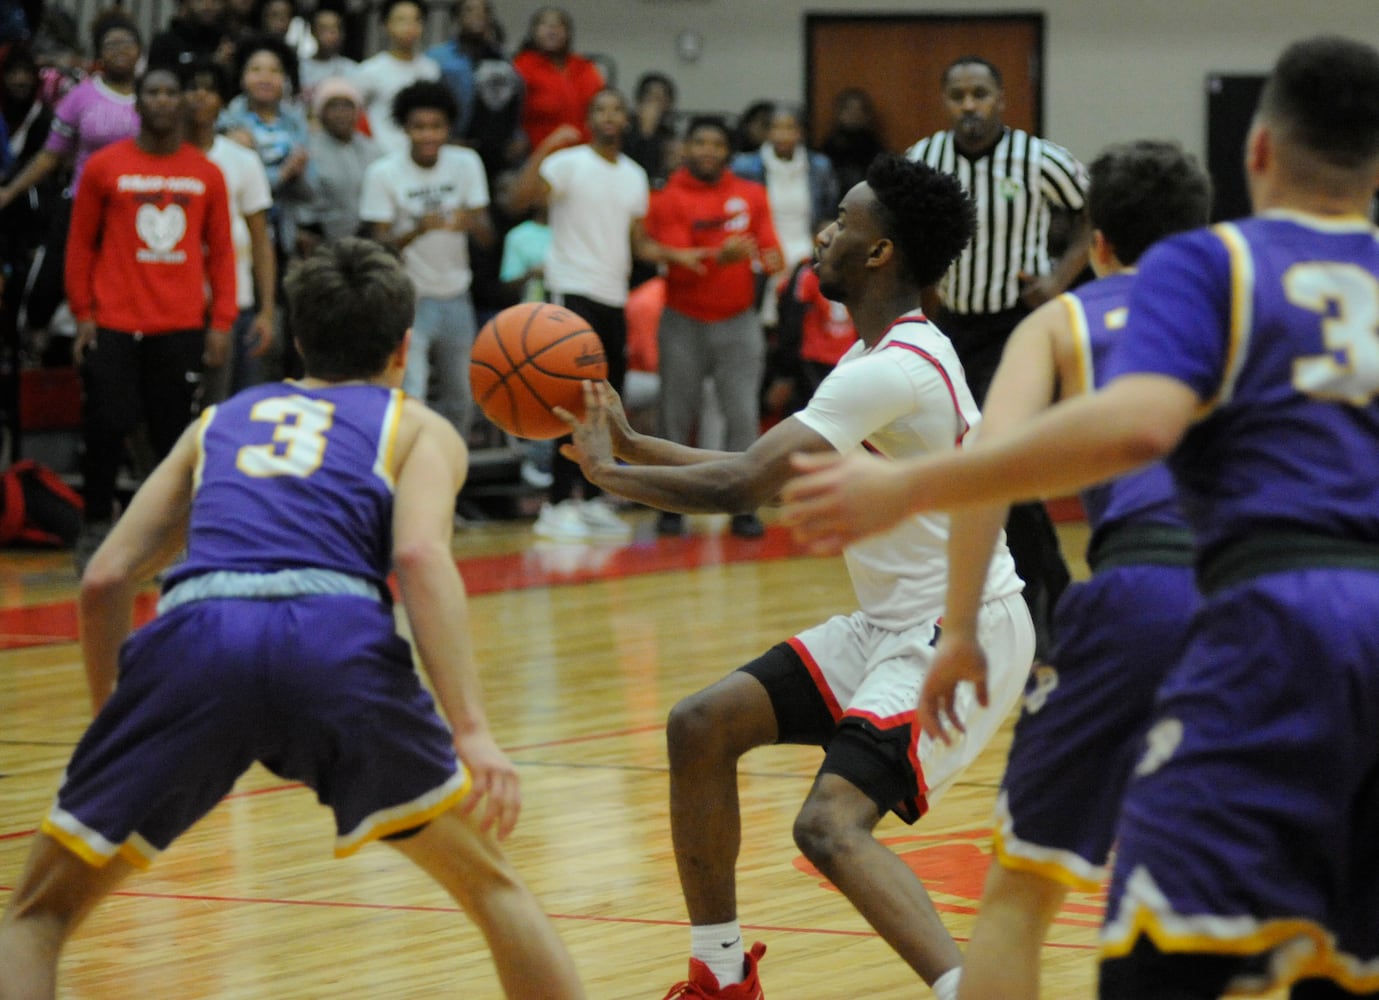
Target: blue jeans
pixel 442 335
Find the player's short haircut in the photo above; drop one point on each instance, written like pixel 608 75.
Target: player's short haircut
pixel 924 212
pixel 428 95
pixel 350 303
pixel 709 121
pixel 204 67
pixel 1323 95
pixel 1145 190
pixel 990 66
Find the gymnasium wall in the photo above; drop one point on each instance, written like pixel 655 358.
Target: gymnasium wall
pixel 1114 69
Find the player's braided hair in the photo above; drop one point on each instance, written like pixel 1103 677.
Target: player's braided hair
pixel 925 212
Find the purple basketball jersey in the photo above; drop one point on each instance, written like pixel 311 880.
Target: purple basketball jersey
pixel 295 478
pixel 1098 312
pixel 1271 320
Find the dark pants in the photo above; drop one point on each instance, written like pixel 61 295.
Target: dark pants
pixel 979 341
pixel 610 323
pixel 128 378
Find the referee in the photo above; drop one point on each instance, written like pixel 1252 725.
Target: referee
pixel 1005 272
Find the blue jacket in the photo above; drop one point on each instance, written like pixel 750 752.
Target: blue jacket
pixel 823 186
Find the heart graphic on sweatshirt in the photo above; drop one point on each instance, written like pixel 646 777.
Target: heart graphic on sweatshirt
pixel 161 229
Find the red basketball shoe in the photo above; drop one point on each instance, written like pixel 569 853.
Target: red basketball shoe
pixel 703 984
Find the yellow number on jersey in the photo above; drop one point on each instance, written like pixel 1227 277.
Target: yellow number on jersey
pixel 1347 299
pixel 299 441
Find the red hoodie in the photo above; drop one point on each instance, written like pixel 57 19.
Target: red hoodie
pixel 556 95
pixel 688 212
pixel 149 234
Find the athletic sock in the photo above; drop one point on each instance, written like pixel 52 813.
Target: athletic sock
pixel 719 946
pixel 946 985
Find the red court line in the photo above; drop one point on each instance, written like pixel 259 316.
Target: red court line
pixel 542 564
pixel 589 738
pixel 18 834
pixel 578 917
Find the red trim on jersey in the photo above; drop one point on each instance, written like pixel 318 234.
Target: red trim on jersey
pixel 920 802
pixel 812 665
pixel 943 373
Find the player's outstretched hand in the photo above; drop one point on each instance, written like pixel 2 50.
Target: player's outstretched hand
pixel 957 658
pixel 496 796
pixel 620 432
pixel 592 446
pixel 839 499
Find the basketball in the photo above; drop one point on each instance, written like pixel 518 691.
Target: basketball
pixel 530 358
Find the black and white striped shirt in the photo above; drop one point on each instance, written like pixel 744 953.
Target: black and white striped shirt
pixel 1013 187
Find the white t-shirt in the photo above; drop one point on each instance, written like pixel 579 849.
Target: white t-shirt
pixel 378 79
pixel 905 397
pixel 399 191
pixel 592 206
pixel 247 184
pixel 792 205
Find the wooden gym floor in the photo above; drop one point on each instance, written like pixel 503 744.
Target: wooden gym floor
pixel 583 649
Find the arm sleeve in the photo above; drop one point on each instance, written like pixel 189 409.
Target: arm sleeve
pixel 374 203
pixel 80 263
pixel 476 195
pixel 660 223
pixel 865 394
pixel 555 170
pixel 1180 315
pixel 256 196
pixel 220 251
pixel 1064 180
pixel 62 136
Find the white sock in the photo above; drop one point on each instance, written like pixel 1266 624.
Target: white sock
pixel 719 946
pixel 946 985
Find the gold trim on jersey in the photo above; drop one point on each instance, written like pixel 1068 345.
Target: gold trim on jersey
pixel 1242 313
pixel 1297 948
pixel 1064 867
pixel 1082 344
pixel 91 846
pixel 395 819
pixel 203 424
pixel 383 466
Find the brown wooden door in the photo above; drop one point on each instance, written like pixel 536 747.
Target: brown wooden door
pixel 899 59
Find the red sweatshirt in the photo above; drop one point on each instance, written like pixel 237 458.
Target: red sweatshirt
pixel 687 212
pixel 149 234
pixel 556 95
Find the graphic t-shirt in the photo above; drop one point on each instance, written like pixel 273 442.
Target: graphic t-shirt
pixel 149 235
pixel 399 191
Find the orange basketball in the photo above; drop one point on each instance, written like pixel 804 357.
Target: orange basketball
pixel 529 358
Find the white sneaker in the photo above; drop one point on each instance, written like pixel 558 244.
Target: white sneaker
pixel 602 522
pixel 562 520
pixel 534 476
